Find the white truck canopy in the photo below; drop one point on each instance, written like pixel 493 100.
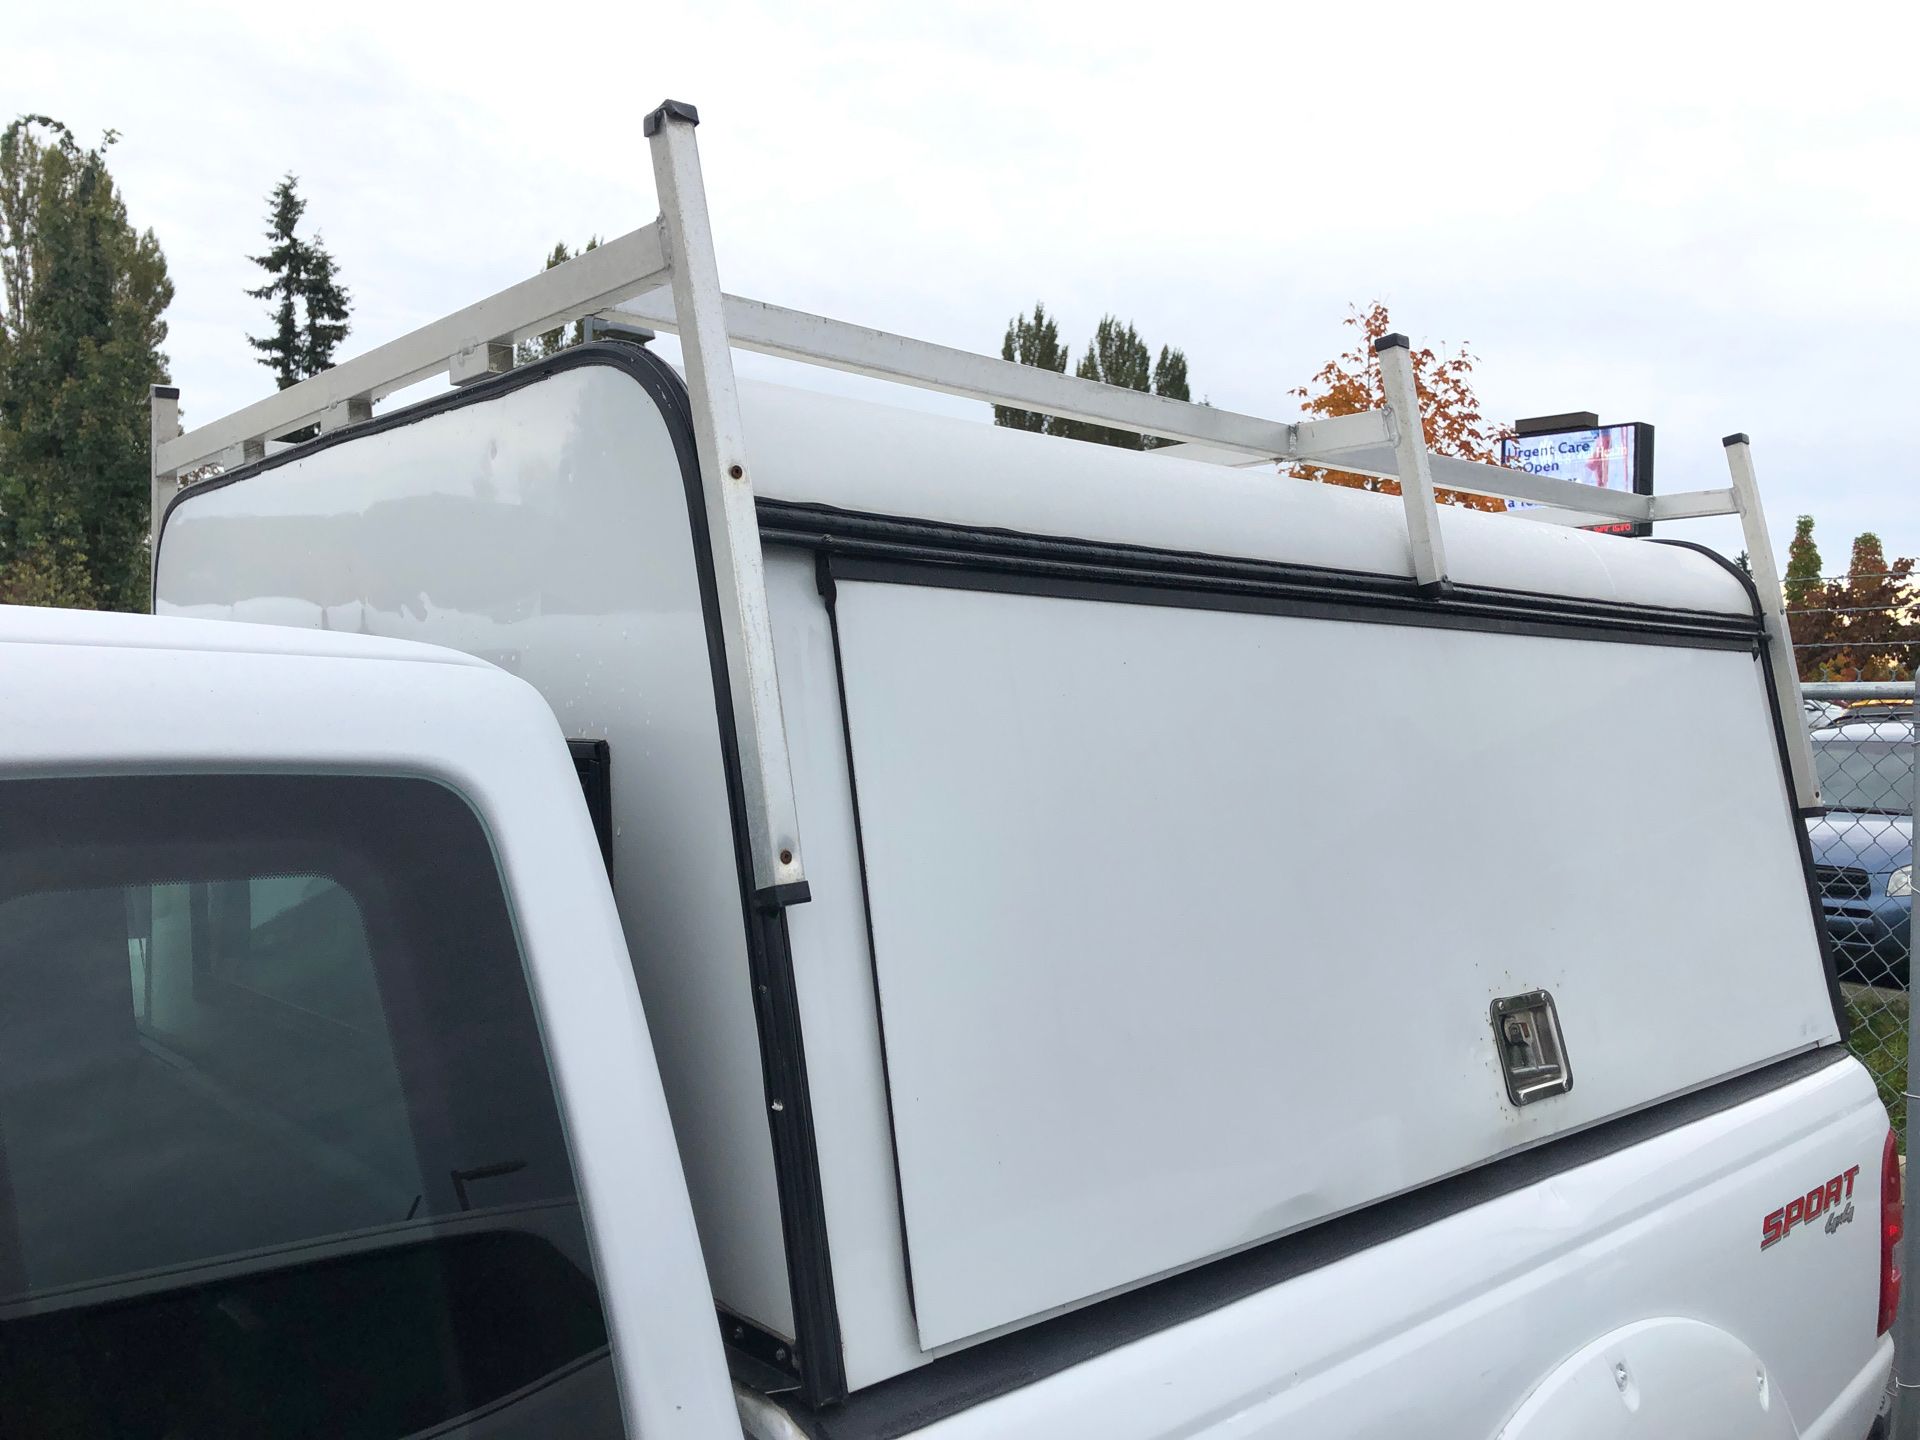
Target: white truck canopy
pixel 1113 954
pixel 865 458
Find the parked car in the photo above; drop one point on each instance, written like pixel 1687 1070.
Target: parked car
pixel 1821 713
pixel 1863 845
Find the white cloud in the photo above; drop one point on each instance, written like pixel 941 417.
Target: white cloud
pixel 1682 213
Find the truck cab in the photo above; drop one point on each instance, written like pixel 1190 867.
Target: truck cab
pixel 323 1059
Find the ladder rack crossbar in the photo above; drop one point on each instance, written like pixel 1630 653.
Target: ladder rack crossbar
pixel 1360 443
pixel 785 334
pixel 587 284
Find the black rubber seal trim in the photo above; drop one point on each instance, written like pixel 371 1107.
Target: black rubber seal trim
pixel 1828 961
pixel 818 1359
pixel 818 1363
pixel 829 595
pixel 967 558
pixel 994 1368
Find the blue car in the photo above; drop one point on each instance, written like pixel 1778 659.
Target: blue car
pixel 1863 846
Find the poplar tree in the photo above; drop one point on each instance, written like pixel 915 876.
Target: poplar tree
pixel 81 299
pixel 1115 356
pixel 1033 342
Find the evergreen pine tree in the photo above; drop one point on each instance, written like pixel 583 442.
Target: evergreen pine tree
pixel 326 301
pixel 285 257
pixel 309 303
pixel 552 342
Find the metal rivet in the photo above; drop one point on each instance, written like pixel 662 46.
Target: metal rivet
pixel 1620 1376
pixel 780 1355
pixel 736 472
pixel 786 857
pixel 779 1105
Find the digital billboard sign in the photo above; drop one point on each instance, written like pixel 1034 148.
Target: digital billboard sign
pixel 1608 457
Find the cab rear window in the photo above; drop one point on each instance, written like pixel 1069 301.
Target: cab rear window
pixel 279 1151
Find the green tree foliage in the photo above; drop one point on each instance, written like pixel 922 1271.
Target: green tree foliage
pixel 1115 356
pixel 303 283
pixel 552 342
pixel 1811 621
pixel 1803 564
pixel 1033 342
pixel 1864 625
pixel 327 301
pixel 1170 375
pixel 80 340
pixel 280 351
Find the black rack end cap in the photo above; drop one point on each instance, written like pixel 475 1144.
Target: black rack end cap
pixel 1396 341
pixel 164 392
pixel 595 327
pixel 772 899
pixel 1739 437
pixel 669 110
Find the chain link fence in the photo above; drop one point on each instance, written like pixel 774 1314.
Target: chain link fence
pixel 1862 733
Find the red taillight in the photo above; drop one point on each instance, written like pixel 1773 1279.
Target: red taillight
pixel 1892 1221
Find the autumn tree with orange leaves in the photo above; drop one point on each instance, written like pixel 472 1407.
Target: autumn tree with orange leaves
pixel 1449 410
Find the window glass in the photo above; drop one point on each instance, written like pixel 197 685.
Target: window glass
pixel 279 1152
pixel 1865 775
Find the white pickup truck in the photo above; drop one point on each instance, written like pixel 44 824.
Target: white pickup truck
pixel 1256 969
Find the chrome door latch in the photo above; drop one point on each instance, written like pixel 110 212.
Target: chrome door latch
pixel 1533 1053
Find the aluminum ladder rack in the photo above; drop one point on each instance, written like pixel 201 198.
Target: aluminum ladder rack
pixel 663 275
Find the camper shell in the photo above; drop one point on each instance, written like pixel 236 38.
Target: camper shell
pixel 1117 959
pixel 1210 879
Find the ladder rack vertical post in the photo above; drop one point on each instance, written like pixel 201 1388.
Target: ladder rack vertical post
pixel 163 420
pixel 733 527
pixel 1766 581
pixel 1395 354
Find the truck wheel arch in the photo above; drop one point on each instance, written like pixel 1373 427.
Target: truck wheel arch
pixel 1664 1376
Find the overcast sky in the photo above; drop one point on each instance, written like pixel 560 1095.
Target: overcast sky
pixel 1702 217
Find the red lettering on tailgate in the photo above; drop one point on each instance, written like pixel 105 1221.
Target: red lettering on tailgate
pixel 1811 1206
